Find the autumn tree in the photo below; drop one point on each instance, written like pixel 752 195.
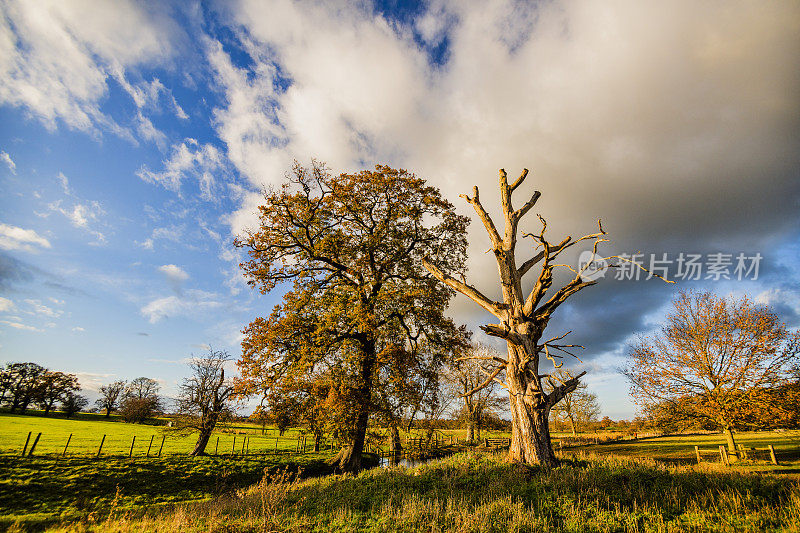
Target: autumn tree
pixel 578 407
pixel 713 360
pixel 110 396
pixel 463 378
pixel 53 386
pixel 204 397
pixel 352 245
pixel 523 317
pixel 140 400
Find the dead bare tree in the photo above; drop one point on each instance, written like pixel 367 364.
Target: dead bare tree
pixel 204 397
pixel 523 319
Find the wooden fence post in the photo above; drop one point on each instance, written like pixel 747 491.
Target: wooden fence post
pixel 233 446
pixel 66 445
pixel 723 453
pixel 216 447
pixel 130 453
pixel 35 442
pixel 163 437
pixel 772 455
pixel 743 451
pixel 244 444
pixel 150 445
pixel 25 448
pixel 101 445
pixel 697 453
pixel 276 444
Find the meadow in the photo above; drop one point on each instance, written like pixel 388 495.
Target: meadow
pixel 649 484
pixel 481 492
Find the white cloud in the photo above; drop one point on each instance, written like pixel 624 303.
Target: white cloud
pixel 20 326
pixel 78 329
pixel 81 214
pixel 192 304
pixel 64 181
pixel 41 309
pixel 188 159
pixel 666 121
pixel 93 381
pixel 56 301
pixel 5 158
pixel 14 238
pixel 56 58
pixel 173 272
pixel 6 305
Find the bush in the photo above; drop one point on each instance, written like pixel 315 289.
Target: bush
pixel 137 410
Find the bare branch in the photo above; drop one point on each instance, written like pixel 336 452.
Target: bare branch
pixel 485 383
pixel 497 309
pixel 485 218
pixel 519 180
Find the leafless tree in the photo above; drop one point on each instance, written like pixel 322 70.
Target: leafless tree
pixel 578 407
pixel 523 319
pixel 204 397
pixel 462 379
pixel 110 396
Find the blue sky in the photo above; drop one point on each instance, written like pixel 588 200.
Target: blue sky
pixel 135 138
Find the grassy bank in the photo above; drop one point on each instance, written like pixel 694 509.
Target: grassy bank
pixel 474 492
pixel 38 491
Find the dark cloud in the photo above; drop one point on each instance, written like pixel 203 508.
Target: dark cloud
pixel 15 272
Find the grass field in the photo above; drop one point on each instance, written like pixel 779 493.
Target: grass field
pixel 650 484
pixel 472 492
pixel 679 449
pixel 87 433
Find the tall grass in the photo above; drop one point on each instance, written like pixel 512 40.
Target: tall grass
pixel 479 492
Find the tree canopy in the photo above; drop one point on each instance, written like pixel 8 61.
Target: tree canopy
pixel 713 361
pixel 360 303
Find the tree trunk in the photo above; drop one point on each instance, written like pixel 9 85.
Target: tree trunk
pixel 530 413
pixel 572 425
pixel 206 429
pixel 317 440
pixel 731 443
pixel 108 412
pixel 349 458
pixel 202 442
pixel 397 446
pixel 471 431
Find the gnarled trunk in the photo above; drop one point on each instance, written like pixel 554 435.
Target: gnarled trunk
pixel 530 435
pixel 206 429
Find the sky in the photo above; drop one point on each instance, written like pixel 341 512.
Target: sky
pixel 136 139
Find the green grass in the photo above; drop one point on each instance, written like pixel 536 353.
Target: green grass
pixel 87 433
pixel 40 490
pixel 473 492
pixel 680 449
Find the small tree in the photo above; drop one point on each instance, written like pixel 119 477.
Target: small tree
pixel 73 403
pixel 53 387
pixel 140 401
pixel 578 407
pixel 463 378
pixel 204 396
pixel 712 360
pixel 110 396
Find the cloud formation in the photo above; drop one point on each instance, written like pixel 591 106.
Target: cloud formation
pixel 14 238
pixel 56 58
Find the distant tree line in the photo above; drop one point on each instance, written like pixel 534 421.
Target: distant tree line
pixel 23 385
